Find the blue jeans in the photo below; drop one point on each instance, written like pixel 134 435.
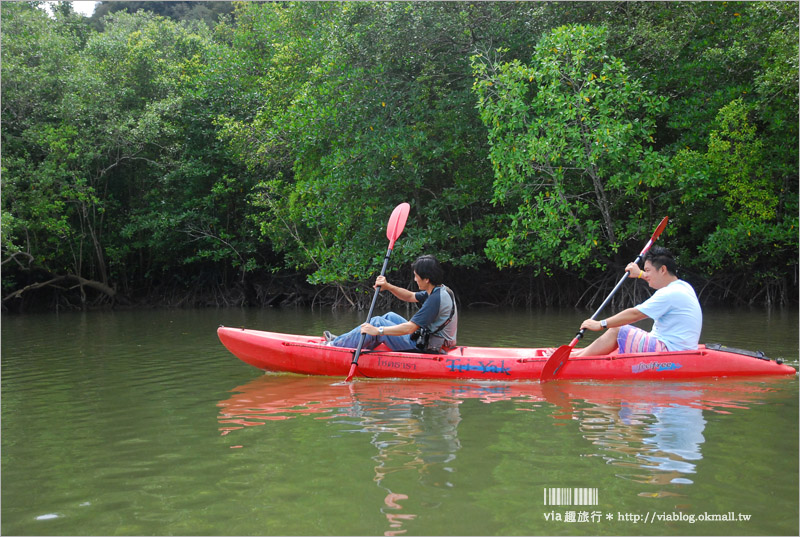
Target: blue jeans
pixel 396 343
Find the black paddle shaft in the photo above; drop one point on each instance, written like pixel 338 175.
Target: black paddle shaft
pixel 371 307
pixel 608 298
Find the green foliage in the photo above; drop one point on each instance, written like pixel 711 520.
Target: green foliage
pixel 115 180
pixel 39 193
pixel 208 12
pixel 750 230
pixel 571 145
pixel 187 143
pixel 378 115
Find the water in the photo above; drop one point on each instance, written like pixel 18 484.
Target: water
pixel 141 423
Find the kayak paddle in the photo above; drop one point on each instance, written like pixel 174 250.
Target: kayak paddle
pixel 561 355
pixel 393 230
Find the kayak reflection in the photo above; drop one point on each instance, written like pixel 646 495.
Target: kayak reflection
pixel 652 430
pixel 280 397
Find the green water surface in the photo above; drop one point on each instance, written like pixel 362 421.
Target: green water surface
pixel 141 423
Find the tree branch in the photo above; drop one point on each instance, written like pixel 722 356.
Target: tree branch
pixel 82 282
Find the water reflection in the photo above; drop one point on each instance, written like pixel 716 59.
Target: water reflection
pixel 413 426
pixel 677 435
pixel 653 432
pixel 412 437
pixel 663 439
pixel 280 397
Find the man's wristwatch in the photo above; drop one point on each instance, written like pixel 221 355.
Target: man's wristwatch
pixel 380 330
pixel 604 323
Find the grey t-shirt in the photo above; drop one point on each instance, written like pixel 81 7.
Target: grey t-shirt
pixel 435 310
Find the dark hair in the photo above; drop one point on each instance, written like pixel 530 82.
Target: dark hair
pixel 661 257
pixel 427 267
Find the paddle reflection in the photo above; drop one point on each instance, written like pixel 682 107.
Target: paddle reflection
pixel 654 431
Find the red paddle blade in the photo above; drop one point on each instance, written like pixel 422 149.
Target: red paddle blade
pixel 659 229
pixel 655 236
pixel 555 363
pixel 351 373
pixel 397 222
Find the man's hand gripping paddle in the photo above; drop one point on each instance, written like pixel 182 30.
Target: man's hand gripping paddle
pixel 561 355
pixel 397 222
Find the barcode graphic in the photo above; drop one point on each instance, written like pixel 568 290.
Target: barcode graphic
pixel 570 496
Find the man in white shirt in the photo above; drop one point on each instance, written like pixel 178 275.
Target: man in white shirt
pixel 674 309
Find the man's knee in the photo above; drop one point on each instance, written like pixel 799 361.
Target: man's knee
pixel 382 320
pixel 389 319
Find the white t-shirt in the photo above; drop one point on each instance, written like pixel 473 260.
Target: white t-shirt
pixel 676 314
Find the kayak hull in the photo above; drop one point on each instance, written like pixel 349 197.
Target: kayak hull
pixel 305 355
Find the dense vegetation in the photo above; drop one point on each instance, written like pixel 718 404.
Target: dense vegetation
pixel 251 153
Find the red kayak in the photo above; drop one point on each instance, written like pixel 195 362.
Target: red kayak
pixel 305 355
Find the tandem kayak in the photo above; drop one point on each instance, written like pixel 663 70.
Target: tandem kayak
pixel 306 355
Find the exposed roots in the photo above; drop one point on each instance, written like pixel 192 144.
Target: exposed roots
pixel 486 288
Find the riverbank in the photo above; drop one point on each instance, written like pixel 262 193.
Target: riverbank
pixel 486 288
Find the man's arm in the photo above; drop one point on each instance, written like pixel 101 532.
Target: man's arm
pixel 628 316
pixel 396 330
pixel 403 294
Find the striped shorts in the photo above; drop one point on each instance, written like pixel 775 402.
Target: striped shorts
pixel 633 339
